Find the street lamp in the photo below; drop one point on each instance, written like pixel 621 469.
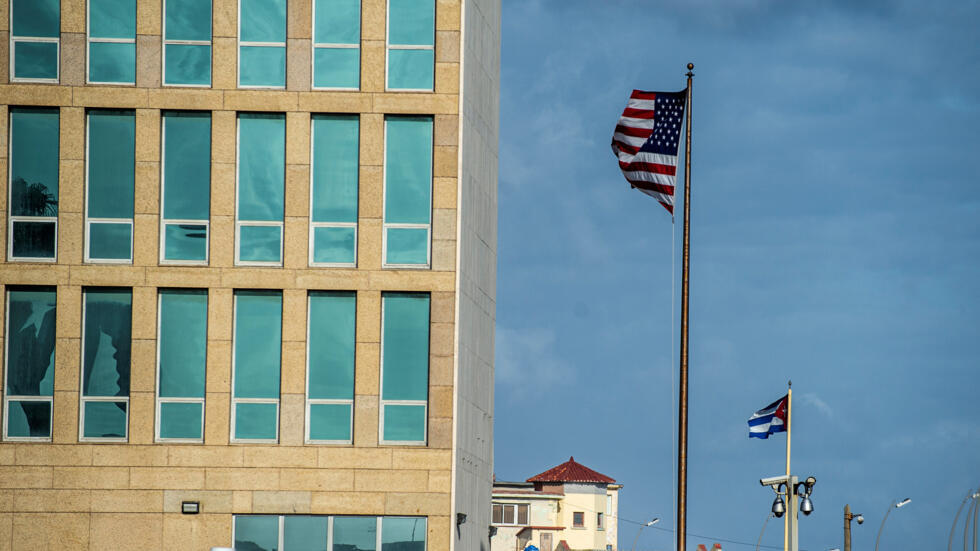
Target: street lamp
pixel 893 505
pixel 642 526
pixel 763 531
pixel 969 495
pixel 848 516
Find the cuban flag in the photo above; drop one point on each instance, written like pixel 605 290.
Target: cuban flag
pixel 769 419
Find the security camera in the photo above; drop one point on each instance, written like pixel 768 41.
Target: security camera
pixel 773 480
pixel 860 519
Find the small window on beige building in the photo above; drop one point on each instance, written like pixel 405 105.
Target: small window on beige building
pixel 522 514
pixel 510 513
pixel 578 519
pixel 599 522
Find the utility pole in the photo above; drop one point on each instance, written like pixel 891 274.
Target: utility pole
pixel 848 517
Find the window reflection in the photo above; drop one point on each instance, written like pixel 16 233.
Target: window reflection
pixel 408 191
pixel 261 187
pixel 34 149
pixel 30 361
pixel 106 353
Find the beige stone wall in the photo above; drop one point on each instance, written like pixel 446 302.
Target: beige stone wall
pixel 68 495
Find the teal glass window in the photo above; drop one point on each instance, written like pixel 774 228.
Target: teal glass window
pixel 35 31
pixel 187 43
pixel 262 43
pixel 261 188
pixel 182 334
pixel 110 183
pixel 256 365
pixel 106 351
pixel 407 192
pixel 355 533
pixel 404 367
pixel 329 533
pixel 257 532
pixel 185 187
pixel 305 532
pixel 337 44
pixel 33 188
pixel 403 533
pixel 29 374
pixel 330 366
pixel 112 41
pixel 411 45
pixel 333 191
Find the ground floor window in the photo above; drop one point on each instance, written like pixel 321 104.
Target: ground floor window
pixel 329 533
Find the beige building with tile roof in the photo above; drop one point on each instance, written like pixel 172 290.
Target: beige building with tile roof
pixel 248 273
pixel 567 507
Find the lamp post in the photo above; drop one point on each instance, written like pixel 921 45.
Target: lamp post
pixel 969 495
pixel 848 516
pixel 763 531
pixel 642 526
pixel 891 506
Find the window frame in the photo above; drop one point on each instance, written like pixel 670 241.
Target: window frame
pixel 7 396
pixel 89 39
pixel 317 401
pixel 313 224
pixel 235 401
pixel 330 529
pixel 578 515
pixel 164 222
pixel 600 521
pixel 11 218
pixel 251 43
pixel 157 399
pixel 382 402
pixel 257 223
pixel 314 45
pixel 13 40
pixel 389 46
pixel 82 399
pixel 86 238
pixel 163 54
pixel 385 225
pixel 515 507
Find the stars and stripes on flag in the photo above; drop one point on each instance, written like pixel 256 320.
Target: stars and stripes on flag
pixel 646 141
pixel 769 420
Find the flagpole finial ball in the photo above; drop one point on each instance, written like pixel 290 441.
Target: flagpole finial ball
pixel 690 66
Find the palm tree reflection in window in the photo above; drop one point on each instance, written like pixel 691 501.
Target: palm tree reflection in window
pixel 32 199
pixel 33 238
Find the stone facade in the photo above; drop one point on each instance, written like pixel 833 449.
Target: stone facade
pixel 70 495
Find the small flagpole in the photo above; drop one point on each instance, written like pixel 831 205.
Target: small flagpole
pixel 789 496
pixel 685 284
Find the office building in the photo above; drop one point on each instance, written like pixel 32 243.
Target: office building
pixel 249 273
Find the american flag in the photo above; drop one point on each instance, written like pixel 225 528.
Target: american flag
pixel 646 140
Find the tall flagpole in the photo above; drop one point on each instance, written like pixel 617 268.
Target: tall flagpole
pixel 789 491
pixel 685 285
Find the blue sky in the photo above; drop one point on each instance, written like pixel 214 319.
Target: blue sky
pixel 836 242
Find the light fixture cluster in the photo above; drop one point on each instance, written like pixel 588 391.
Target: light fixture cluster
pixel 782 487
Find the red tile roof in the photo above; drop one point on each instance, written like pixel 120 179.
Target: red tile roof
pixel 570 471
